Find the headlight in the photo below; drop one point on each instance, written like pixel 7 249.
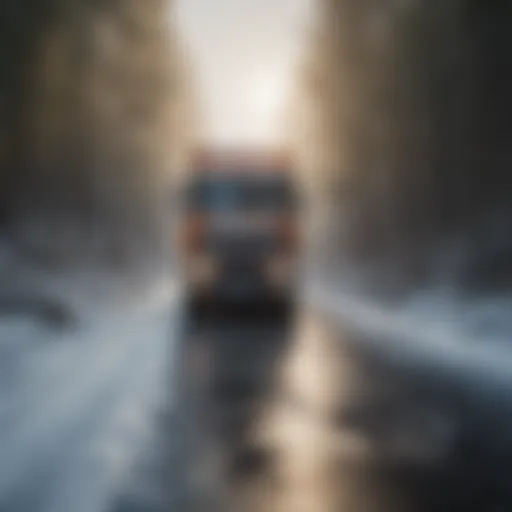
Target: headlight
pixel 280 270
pixel 202 269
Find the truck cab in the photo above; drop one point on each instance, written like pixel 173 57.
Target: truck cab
pixel 239 235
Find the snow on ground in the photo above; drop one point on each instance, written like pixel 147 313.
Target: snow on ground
pixel 76 403
pixel 435 330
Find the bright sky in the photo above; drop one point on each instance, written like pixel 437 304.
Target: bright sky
pixel 245 52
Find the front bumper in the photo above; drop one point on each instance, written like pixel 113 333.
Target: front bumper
pixel 270 278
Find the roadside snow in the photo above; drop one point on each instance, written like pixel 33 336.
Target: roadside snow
pixel 433 330
pixel 76 404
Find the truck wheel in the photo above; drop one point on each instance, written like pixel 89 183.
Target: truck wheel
pixel 196 310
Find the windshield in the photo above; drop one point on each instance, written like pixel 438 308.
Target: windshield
pixel 240 194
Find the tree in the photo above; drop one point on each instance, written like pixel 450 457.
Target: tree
pixel 91 91
pixel 411 104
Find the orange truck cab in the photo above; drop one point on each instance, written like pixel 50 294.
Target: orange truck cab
pixel 239 234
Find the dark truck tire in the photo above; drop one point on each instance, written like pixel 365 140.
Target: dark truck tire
pixel 198 309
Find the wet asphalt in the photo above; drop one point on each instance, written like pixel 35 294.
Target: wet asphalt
pixel 296 414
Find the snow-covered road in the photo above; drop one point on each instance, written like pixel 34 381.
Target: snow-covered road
pixel 77 406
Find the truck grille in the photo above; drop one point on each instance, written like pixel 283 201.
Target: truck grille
pixel 242 245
